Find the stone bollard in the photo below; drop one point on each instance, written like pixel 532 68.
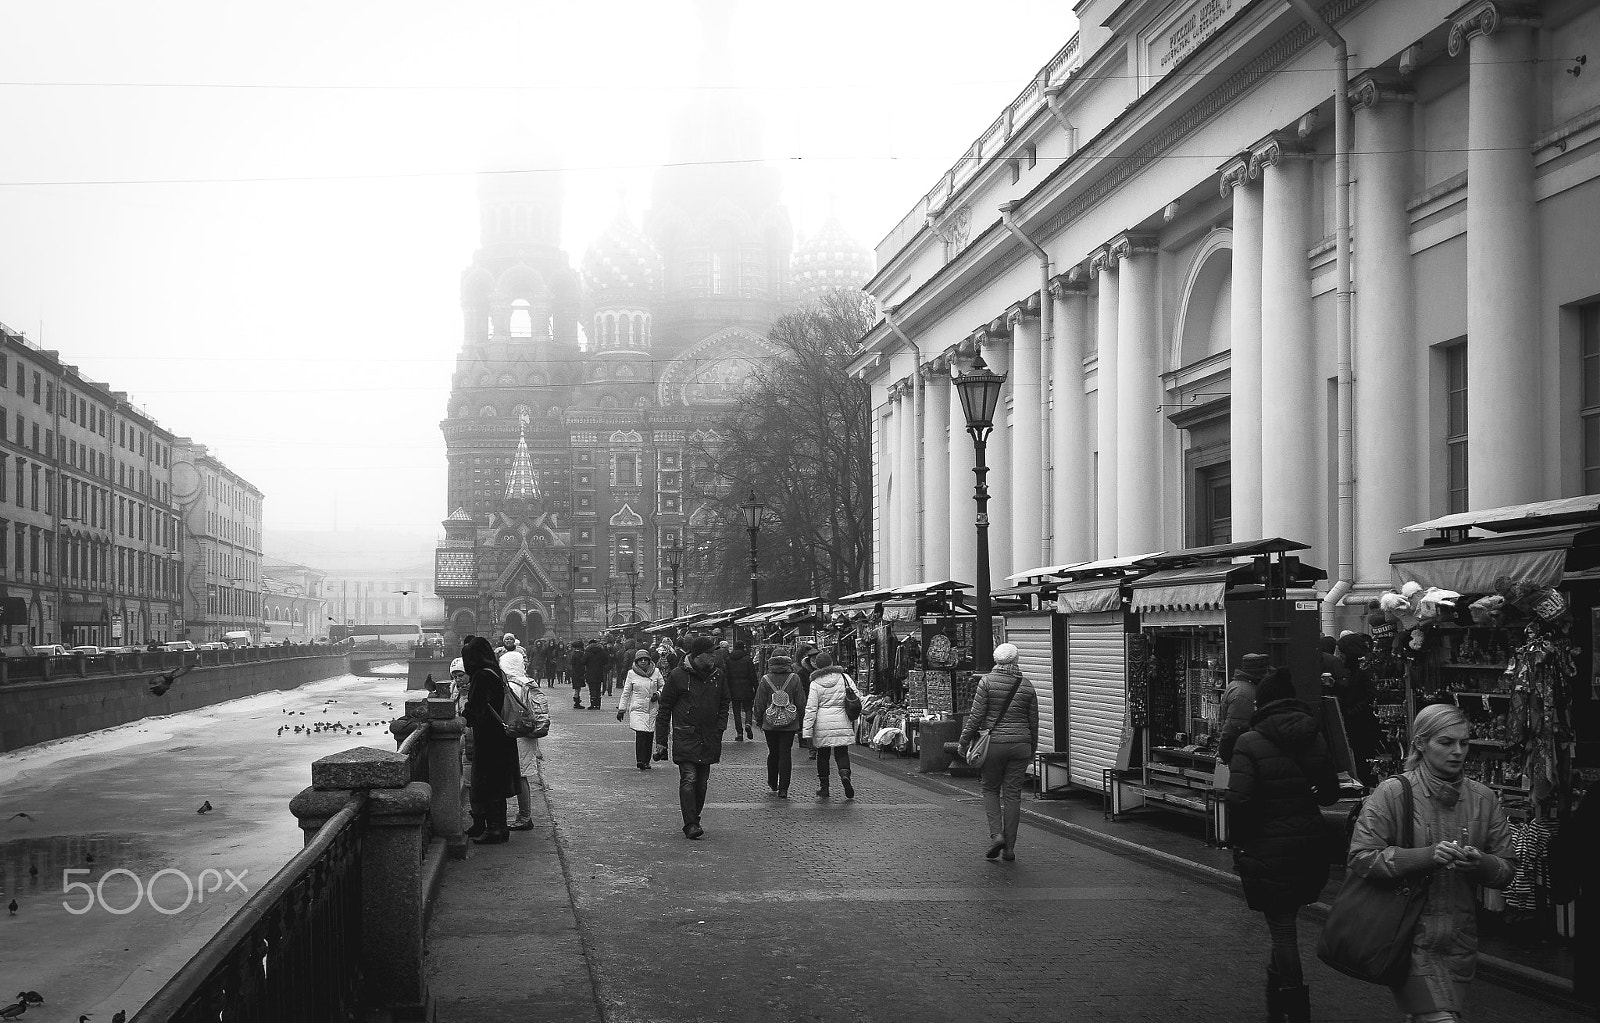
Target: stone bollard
pixel 393 841
pixel 445 729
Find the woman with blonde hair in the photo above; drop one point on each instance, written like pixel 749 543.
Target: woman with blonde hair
pixel 1465 844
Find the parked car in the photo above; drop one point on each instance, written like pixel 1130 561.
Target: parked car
pixel 180 645
pixel 50 649
pixel 92 651
pixel 212 646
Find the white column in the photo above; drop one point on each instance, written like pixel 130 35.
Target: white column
pixel 1289 426
pixel 1385 365
pixel 883 485
pixel 936 471
pixel 1505 450
pixel 963 506
pixel 905 569
pixel 1138 395
pixel 1069 426
pixel 1002 478
pixel 1244 403
pixel 1027 443
pixel 1103 266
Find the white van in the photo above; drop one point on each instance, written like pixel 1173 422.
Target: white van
pixel 240 638
pixel 179 645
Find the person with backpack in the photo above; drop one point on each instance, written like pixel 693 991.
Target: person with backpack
pixel 779 697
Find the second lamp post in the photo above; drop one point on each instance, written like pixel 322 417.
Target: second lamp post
pixel 979 388
pixel 752 522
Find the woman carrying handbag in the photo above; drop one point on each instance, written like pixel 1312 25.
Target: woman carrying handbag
pixel 641 692
pixel 1005 712
pixel 1462 841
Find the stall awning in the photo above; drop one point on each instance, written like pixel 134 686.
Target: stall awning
pixel 1473 566
pixel 1561 512
pixel 1042 572
pixel 1196 588
pixel 1092 596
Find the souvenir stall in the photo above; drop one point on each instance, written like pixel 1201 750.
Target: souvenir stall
pixel 1039 634
pixel 778 624
pixel 1507 627
pixel 1199 612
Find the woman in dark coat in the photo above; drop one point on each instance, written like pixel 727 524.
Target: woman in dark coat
pixel 1281 775
pixel 494 753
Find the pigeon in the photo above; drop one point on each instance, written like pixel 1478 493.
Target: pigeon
pixel 13 907
pixel 31 997
pixel 88 857
pixel 33 870
pixel 159 684
pixel 85 1017
pixel 19 813
pixel 120 1017
pixel 205 807
pixel 13 1011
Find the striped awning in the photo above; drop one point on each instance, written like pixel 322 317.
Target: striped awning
pixel 1197 588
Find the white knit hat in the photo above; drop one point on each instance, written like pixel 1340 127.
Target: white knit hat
pixel 1006 653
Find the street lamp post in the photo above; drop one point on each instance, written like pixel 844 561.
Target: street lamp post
pixel 752 522
pixel 979 389
pixel 674 561
pixel 633 592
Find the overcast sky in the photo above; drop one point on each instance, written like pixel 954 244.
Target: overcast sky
pixel 253 217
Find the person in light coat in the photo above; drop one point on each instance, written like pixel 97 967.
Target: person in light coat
pixel 1460 841
pixel 827 725
pixel 641 693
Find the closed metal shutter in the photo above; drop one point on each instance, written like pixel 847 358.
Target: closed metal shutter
pixel 1097 696
pixel 1032 636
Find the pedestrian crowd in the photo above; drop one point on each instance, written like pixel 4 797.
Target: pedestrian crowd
pixel 1429 826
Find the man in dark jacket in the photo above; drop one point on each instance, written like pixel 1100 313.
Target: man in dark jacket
pixel 596 665
pixel 740 672
pixel 693 710
pixel 1239 703
pixel 575 672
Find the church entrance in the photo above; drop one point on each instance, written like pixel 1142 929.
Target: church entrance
pixel 527 626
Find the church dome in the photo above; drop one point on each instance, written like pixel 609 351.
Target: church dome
pixel 830 259
pixel 622 261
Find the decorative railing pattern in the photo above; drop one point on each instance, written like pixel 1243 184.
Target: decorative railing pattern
pixel 292 952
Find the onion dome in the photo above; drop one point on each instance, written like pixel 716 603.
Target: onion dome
pixel 622 262
pixel 830 259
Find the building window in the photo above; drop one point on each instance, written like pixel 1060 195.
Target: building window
pixel 1589 333
pixel 1455 376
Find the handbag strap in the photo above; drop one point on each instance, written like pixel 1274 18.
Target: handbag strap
pixel 1007 704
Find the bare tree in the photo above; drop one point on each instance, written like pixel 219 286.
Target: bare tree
pixel 801 440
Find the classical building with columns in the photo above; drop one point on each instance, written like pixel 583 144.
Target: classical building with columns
pixel 1317 271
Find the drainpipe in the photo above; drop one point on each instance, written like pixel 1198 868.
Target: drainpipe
pixel 1342 324
pixel 916 415
pixel 1052 100
pixel 1046 307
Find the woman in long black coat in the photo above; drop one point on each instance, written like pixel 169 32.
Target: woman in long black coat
pixel 494 753
pixel 1281 775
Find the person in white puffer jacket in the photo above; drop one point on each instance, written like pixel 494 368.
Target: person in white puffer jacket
pixel 641 694
pixel 827 725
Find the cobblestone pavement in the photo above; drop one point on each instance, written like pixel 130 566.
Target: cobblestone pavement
pixel 875 909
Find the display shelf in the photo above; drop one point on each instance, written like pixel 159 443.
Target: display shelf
pixel 1469 666
pixel 1503 694
pixel 1493 743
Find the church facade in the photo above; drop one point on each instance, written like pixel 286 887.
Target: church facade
pixel 582 397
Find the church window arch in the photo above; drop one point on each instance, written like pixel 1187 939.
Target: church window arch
pixel 521 319
pixel 487 412
pixel 506 380
pixel 485 381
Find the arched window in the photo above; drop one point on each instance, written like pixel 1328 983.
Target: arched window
pixel 521 319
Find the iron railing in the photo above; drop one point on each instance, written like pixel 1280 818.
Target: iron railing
pixel 292 952
pixel 415 749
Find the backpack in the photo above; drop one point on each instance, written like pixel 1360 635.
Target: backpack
pixel 781 712
pixel 521 716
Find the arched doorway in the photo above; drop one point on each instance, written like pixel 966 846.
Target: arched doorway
pixel 524 623
pixel 1199 392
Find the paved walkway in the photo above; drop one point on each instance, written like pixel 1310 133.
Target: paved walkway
pixel 880 908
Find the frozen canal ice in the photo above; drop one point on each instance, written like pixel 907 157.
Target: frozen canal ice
pixel 111 812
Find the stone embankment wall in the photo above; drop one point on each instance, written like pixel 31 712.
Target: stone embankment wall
pixel 37 711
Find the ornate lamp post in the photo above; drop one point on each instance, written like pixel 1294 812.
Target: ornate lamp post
pixel 979 389
pixel 752 522
pixel 674 562
pixel 633 591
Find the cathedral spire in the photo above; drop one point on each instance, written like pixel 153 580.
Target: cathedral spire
pixel 520 481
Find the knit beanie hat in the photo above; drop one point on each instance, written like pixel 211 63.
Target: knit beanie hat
pixel 1278 685
pixel 1006 653
pixel 700 645
pixel 823 659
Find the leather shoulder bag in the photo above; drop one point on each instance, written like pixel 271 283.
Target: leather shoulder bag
pixel 1371 923
pixel 978 750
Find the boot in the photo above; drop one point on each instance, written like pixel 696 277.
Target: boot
pixel 1295 1003
pixel 844 780
pixel 822 793
pixel 1275 1010
pixel 479 826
